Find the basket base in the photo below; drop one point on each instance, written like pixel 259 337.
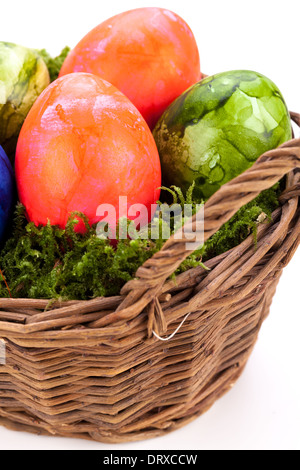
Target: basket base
pixel 216 372
pixel 30 424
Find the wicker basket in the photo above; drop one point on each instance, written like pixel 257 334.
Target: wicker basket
pixel 96 370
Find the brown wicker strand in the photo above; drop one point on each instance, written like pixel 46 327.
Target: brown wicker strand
pixel 269 168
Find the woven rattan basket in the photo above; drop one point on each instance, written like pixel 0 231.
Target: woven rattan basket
pixel 95 369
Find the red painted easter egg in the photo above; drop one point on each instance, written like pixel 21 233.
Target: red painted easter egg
pixel 84 144
pixel 150 54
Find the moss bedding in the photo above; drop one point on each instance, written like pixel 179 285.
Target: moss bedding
pixel 54 63
pixel 48 262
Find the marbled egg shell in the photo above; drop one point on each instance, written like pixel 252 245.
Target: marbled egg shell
pixel 23 76
pixel 218 128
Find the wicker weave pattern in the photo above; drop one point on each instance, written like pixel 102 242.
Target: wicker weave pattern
pixel 95 370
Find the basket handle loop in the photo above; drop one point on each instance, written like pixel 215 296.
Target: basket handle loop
pixel 220 208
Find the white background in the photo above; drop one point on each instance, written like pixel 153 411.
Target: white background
pixel 262 411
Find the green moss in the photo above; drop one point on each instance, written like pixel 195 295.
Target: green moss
pixel 54 63
pixel 237 229
pixel 48 262
pixel 23 77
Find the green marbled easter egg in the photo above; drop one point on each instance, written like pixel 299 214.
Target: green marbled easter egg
pixel 218 128
pixel 23 76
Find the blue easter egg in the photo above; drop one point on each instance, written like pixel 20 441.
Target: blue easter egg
pixel 6 190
